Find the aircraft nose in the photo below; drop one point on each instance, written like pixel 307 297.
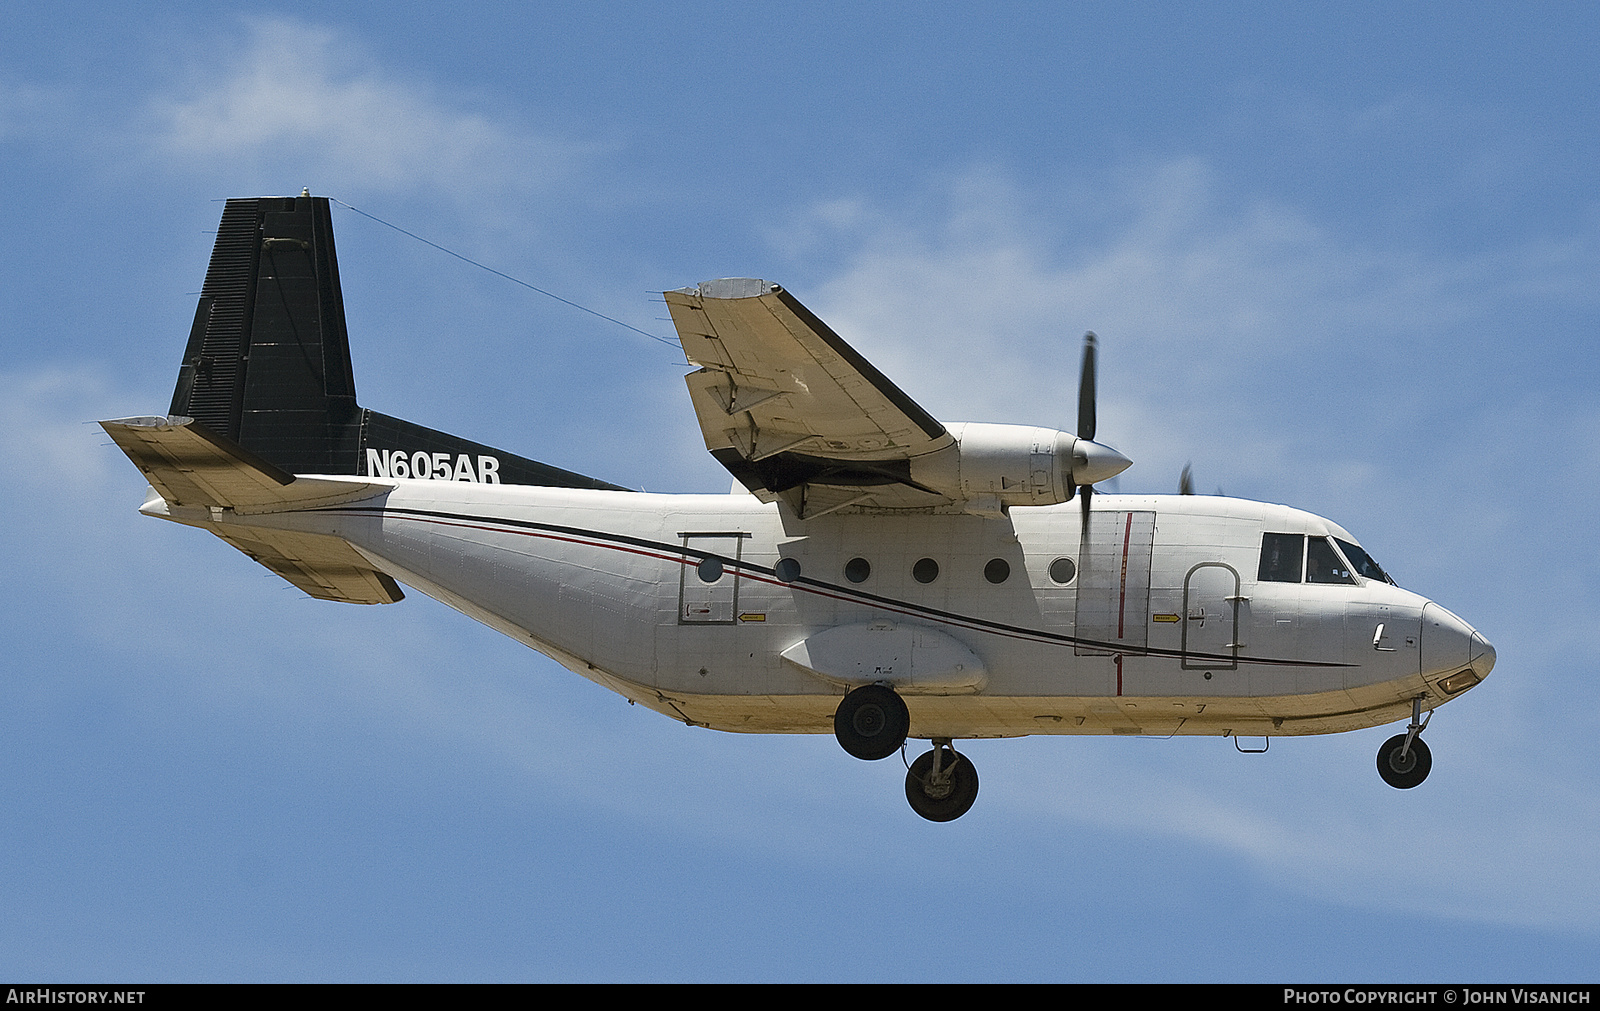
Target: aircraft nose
pixel 1482 656
pixel 1453 650
pixel 1446 641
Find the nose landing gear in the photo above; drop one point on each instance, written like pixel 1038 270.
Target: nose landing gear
pixel 1404 761
pixel 942 784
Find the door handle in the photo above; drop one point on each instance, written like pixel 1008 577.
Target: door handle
pixel 1377 637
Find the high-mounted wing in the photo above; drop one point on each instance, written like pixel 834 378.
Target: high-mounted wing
pixel 793 411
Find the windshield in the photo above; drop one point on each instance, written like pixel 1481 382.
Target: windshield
pixel 1362 562
pixel 1322 565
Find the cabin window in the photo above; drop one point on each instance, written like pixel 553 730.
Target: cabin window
pixel 1362 562
pixel 709 570
pixel 1281 555
pixel 1062 570
pixel 857 570
pixel 997 571
pixel 925 571
pixel 787 570
pixel 1323 564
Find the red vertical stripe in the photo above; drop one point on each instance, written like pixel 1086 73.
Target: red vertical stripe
pixel 1122 593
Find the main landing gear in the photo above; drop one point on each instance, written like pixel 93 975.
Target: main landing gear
pixel 1404 761
pixel 872 723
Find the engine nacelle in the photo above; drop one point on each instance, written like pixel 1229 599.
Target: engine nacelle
pixel 991 466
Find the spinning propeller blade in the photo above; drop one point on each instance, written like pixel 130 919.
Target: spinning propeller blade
pixel 1091 461
pixel 1086 411
pixel 1086 416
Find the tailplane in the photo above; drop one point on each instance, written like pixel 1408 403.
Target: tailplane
pixel 204 480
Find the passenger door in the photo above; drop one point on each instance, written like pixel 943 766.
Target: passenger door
pixel 1212 613
pixel 708 580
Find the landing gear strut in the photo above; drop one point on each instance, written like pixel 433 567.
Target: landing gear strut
pixel 941 785
pixel 1404 761
pixel 872 722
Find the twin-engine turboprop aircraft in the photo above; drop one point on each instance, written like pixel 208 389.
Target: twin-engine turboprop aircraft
pixel 886 576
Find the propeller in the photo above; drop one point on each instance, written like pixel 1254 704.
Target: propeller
pixel 1086 412
pixel 1186 482
pixel 1090 459
pixel 1086 380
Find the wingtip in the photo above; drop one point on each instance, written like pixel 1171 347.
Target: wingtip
pixel 735 287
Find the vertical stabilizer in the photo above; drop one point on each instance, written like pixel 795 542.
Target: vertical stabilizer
pixel 268 362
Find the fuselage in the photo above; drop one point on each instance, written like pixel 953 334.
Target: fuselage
pixel 723 611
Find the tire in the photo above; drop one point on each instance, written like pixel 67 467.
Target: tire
pixel 962 790
pixel 872 722
pixel 1403 774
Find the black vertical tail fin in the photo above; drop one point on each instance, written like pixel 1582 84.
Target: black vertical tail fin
pixel 268 362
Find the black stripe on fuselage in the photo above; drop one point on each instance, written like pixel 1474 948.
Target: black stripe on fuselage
pixel 765 574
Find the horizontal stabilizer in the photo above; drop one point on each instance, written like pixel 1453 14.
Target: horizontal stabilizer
pixel 324 567
pixel 193 471
pixel 192 466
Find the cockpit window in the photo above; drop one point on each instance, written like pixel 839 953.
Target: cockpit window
pixel 1280 557
pixel 1323 564
pixel 1362 562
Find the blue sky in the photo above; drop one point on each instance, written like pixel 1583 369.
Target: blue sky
pixel 1345 260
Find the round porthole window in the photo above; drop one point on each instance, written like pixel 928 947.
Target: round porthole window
pixel 709 570
pixel 1062 570
pixel 925 571
pixel 857 570
pixel 997 571
pixel 787 570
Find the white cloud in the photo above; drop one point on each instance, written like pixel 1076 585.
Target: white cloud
pixel 1160 261
pixel 47 439
pixel 1478 843
pixel 310 103
pixel 25 108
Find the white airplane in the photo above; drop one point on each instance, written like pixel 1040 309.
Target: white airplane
pixel 876 574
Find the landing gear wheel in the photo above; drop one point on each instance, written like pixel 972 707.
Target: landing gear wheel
pixel 945 794
pixel 872 722
pixel 1404 772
